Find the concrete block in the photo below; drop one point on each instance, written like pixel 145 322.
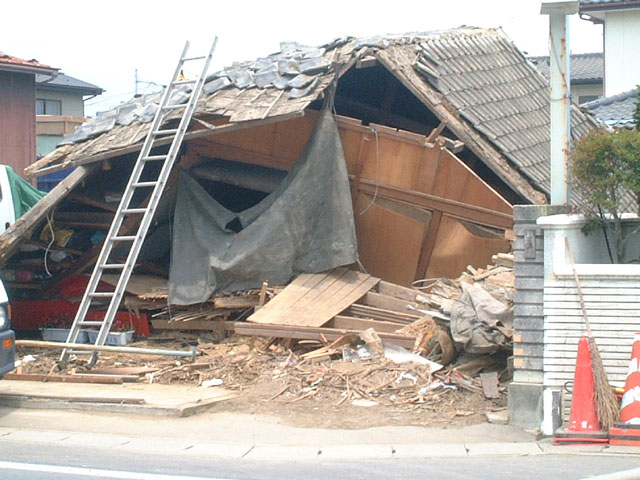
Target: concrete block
pixel 429 450
pixel 528 376
pixel 529 282
pixel 523 213
pixel 528 350
pixel 528 323
pixel 529 269
pixel 528 309
pixel 284 453
pixel 218 450
pixel 157 445
pixel 355 452
pixel 529 296
pixel 79 439
pixel 483 449
pixel 37 436
pixel 529 336
pixel 525 404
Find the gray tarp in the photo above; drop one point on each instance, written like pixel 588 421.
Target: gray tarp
pixel 305 225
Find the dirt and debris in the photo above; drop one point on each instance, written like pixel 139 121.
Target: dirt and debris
pixel 349 382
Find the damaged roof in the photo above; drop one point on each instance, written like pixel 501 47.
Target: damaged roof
pixel 475 80
pixel 616 110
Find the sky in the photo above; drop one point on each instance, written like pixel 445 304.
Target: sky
pixel 104 42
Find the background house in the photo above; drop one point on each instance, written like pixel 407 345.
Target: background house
pixel 616 110
pixel 587 75
pixel 59 110
pixel 18 110
pixel 621 23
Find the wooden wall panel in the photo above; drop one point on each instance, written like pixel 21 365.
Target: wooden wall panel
pixel 389 243
pixel 17 120
pixel 456 247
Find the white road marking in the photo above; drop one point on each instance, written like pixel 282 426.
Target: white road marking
pixel 95 472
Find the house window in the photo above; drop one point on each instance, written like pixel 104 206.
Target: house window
pixel 48 107
pixel 586 98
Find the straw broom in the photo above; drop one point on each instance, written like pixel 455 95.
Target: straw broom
pixel 607 406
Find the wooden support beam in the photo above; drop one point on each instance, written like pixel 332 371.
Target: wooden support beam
pixel 453 208
pixel 11 239
pixel 76 197
pixel 314 333
pixel 225 128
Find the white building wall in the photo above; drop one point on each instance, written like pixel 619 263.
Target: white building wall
pixel 72 103
pixel 612 299
pixel 622 47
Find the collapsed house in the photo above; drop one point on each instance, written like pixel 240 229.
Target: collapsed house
pixel 441 134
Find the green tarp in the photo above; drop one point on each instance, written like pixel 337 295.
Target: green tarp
pixel 24 194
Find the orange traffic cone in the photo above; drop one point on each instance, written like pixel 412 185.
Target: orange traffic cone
pixel 627 431
pixel 584 427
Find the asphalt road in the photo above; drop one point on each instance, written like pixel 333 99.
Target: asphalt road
pixel 29 461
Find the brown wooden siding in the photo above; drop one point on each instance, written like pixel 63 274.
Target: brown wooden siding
pixel 17 120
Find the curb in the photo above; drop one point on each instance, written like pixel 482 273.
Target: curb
pixel 347 452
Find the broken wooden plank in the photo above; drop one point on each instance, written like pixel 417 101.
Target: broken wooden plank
pixel 355 323
pixel 314 333
pixel 490 384
pixel 35 377
pixel 12 238
pixel 314 299
pixel 381 314
pixel 397 291
pixel 210 325
pixel 378 300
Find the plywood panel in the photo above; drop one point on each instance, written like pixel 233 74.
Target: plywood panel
pixel 389 243
pixel 312 300
pixel 456 247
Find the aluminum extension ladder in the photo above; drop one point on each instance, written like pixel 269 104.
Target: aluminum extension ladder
pixel 144 214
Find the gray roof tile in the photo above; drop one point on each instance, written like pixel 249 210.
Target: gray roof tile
pixel 616 110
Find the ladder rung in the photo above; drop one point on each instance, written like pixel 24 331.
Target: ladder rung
pixel 123 238
pixel 112 266
pixel 134 210
pixel 144 184
pixel 154 157
pixel 174 107
pixel 90 323
pixel 171 131
pixel 101 294
pixel 183 82
pixel 189 59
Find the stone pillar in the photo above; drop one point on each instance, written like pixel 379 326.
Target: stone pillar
pixel 525 391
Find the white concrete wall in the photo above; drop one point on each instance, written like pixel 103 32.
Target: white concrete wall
pixel 612 297
pixel 621 51
pixel 72 104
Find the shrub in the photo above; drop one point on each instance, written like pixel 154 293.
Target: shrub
pixel 604 166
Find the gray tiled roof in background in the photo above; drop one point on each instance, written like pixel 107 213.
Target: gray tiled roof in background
pixel 616 110
pixel 585 67
pixel 66 83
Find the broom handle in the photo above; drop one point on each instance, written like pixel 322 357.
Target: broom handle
pixel 575 275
